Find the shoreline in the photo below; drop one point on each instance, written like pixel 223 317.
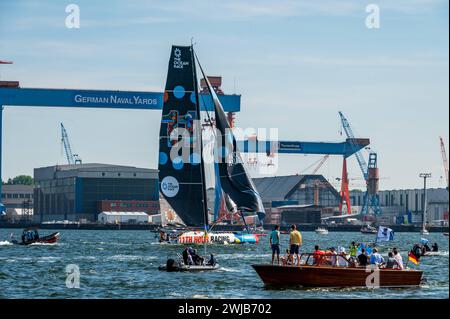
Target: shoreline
pixel 150 227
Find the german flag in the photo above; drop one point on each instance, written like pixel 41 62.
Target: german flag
pixel 412 258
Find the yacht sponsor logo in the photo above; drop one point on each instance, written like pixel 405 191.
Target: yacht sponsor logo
pixel 170 186
pixel 177 62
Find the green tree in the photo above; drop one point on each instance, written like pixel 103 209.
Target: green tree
pixel 20 180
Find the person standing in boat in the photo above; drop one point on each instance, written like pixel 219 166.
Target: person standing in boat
pixel 353 249
pixel 391 263
pixel 362 258
pixel 376 258
pixel 274 240
pixel 398 257
pixel 295 242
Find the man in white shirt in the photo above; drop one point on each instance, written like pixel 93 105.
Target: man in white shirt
pixel 398 258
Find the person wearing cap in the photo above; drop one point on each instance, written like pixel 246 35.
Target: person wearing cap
pixel 341 259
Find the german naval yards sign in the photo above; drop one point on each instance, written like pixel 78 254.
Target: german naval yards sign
pixel 100 99
pixel 138 100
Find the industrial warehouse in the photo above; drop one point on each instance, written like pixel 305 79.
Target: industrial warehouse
pixel 82 191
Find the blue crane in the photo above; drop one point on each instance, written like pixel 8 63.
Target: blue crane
pixel 371 200
pixel 71 158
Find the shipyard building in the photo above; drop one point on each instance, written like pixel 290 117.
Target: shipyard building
pixel 297 199
pixel 81 192
pixel 18 200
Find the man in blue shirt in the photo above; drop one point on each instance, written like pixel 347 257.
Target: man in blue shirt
pixel 376 258
pixel 274 239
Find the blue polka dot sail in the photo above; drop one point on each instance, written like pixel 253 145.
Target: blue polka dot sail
pixel 180 175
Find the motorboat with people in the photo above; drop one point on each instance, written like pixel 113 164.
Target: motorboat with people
pixel 423 249
pixel 321 231
pixel 311 273
pixel 367 229
pixel 189 261
pixel 31 236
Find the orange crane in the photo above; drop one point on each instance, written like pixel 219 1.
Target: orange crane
pixel 444 159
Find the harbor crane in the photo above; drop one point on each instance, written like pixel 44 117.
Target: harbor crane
pixel 322 161
pixel 71 158
pixel 444 159
pixel 371 201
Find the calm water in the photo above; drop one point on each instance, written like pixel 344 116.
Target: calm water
pixel 123 264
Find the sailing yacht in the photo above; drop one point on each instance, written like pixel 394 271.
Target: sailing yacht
pixel 182 177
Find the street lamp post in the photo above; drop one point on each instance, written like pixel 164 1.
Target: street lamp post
pixel 424 176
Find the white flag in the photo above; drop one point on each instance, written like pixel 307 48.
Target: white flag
pixel 385 234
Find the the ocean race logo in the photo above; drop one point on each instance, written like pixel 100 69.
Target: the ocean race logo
pixel 177 62
pixel 170 186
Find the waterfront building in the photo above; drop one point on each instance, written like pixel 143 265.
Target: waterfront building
pixel 18 200
pixel 297 198
pixel 80 192
pixel 405 206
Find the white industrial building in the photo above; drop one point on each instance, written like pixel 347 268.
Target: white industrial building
pixel 398 203
pixel 123 218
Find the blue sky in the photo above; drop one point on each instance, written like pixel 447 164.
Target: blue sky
pixel 296 64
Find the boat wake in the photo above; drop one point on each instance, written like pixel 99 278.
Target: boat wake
pixel 5 243
pixel 229 269
pixel 43 244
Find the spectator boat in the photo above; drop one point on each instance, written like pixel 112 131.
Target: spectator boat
pixel 325 275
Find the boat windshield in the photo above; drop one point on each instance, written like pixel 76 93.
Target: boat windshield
pixel 325 259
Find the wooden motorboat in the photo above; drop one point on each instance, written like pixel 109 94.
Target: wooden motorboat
pixel 311 275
